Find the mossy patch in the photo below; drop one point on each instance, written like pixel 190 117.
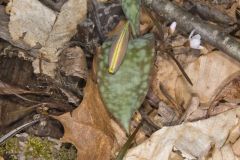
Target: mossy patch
pixel 10 149
pixel 66 152
pixel 36 148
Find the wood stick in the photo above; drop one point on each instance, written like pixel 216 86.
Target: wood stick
pixel 187 22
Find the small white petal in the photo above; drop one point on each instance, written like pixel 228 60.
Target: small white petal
pixel 197 36
pixel 191 34
pixel 195 41
pixel 173 27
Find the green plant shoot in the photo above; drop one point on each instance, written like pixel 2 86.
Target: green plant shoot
pixel 118 50
pixel 131 9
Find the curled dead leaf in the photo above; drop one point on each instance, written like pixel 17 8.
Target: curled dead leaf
pixel 89 127
pixel 72 62
pixel 193 140
pixel 209 73
pixel 33 23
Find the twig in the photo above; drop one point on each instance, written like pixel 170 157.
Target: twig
pixel 187 22
pixel 207 12
pixel 126 146
pixel 10 134
pixel 181 68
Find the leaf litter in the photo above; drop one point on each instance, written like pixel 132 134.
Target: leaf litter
pixel 35 24
pixel 86 126
pixel 196 122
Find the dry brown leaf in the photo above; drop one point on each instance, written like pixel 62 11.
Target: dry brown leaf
pixel 116 29
pixel 194 140
pixel 222 107
pixel 34 24
pixel 72 67
pixel 102 1
pixel 216 155
pixel 72 62
pixel 235 134
pixel 231 92
pixel 146 23
pixel 10 112
pixel 166 73
pixel 227 152
pixel 236 147
pixel 175 156
pixel 4 31
pixel 30 21
pixel 89 127
pixel 65 26
pixel 193 106
pixel 232 11
pixel 209 73
pixel 6 89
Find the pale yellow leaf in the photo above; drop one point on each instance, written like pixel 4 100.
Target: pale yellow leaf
pixel 191 139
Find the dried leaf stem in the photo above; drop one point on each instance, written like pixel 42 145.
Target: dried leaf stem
pixel 127 145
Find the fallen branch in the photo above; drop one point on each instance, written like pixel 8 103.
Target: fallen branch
pixel 187 22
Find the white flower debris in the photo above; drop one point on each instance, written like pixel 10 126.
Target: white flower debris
pixel 173 27
pixel 195 41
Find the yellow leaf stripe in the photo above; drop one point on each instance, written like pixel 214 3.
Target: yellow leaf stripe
pixel 117 50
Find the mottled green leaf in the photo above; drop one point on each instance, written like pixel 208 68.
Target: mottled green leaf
pixel 131 9
pixel 124 91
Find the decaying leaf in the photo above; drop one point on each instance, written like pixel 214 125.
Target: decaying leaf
pixel 23 94
pixel 227 152
pixel 54 5
pixel 4 32
pixel 6 89
pixel 89 126
pixel 65 26
pixel 72 73
pixel 236 147
pixel 30 21
pixel 229 97
pixel 11 112
pixel 192 108
pixel 124 91
pixel 194 140
pixel 131 9
pixel 72 62
pixel 166 73
pixel 146 23
pixel 72 66
pixel 210 73
pixel 36 25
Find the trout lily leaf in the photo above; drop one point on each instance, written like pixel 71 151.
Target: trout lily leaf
pixel 124 91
